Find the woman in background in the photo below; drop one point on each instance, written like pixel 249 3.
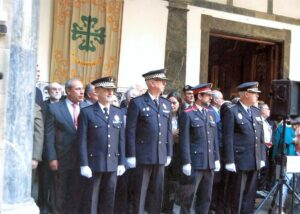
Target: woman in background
pixel 172 173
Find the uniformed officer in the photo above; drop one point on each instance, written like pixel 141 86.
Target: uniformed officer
pixel 244 147
pixel 188 97
pixel 199 149
pixel 149 141
pixel 101 142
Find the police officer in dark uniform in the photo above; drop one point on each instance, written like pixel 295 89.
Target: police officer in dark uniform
pixel 149 142
pixel 244 147
pixel 199 149
pixel 188 97
pixel 101 143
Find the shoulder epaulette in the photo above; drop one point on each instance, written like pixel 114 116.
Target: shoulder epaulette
pixel 134 98
pixel 116 106
pixel 164 98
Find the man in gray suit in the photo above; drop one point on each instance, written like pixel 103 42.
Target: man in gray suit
pixel 60 140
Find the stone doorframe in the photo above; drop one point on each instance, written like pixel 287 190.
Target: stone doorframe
pixel 211 24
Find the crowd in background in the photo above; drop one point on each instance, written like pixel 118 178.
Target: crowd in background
pixel 196 161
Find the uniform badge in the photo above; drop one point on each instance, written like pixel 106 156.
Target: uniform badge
pixel 240 116
pixel 211 119
pixel 164 106
pixel 116 119
pixel 258 119
pixel 197 118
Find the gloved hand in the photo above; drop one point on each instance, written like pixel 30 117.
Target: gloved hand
pixel 86 171
pixel 187 169
pixel 230 167
pixel 168 161
pixel 120 170
pixel 217 166
pixel 262 164
pixel 131 162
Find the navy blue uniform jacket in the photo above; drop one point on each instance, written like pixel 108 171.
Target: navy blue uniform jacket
pixel 101 143
pixel 149 130
pixel 198 138
pixel 243 137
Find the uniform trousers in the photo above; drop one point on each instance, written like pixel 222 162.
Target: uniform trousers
pixel 103 192
pixel 149 183
pixel 125 192
pixel 243 185
pixel 204 182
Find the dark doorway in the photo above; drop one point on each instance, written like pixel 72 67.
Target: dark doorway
pixel 233 60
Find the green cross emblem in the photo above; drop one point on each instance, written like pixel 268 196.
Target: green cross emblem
pixel 88 33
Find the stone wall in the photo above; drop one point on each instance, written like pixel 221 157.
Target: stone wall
pixel 18 52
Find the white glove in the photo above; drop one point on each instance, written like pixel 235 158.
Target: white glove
pixel 120 170
pixel 217 166
pixel 230 167
pixel 262 164
pixel 131 162
pixel 168 161
pixel 187 169
pixel 86 171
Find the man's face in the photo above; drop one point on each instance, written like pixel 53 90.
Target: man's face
pixel 205 99
pixel 55 92
pixel 219 100
pixel 93 96
pixel 158 85
pixel 188 97
pixel 76 92
pixel 252 97
pixel 104 95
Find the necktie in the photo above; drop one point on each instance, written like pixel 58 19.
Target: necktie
pixel 75 114
pixel 203 112
pixel 249 112
pixel 156 102
pixel 105 112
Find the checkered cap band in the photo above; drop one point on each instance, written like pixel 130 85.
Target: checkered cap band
pixel 155 76
pixel 105 85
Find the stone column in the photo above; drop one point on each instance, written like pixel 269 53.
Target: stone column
pixel 176 44
pixel 18 51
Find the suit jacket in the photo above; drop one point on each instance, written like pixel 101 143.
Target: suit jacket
pixel 198 138
pixel 38 134
pixel 60 136
pixel 243 137
pixel 101 142
pixel 149 130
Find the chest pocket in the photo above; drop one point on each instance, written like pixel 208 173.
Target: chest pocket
pixel 117 124
pixel 95 125
pixel 197 123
